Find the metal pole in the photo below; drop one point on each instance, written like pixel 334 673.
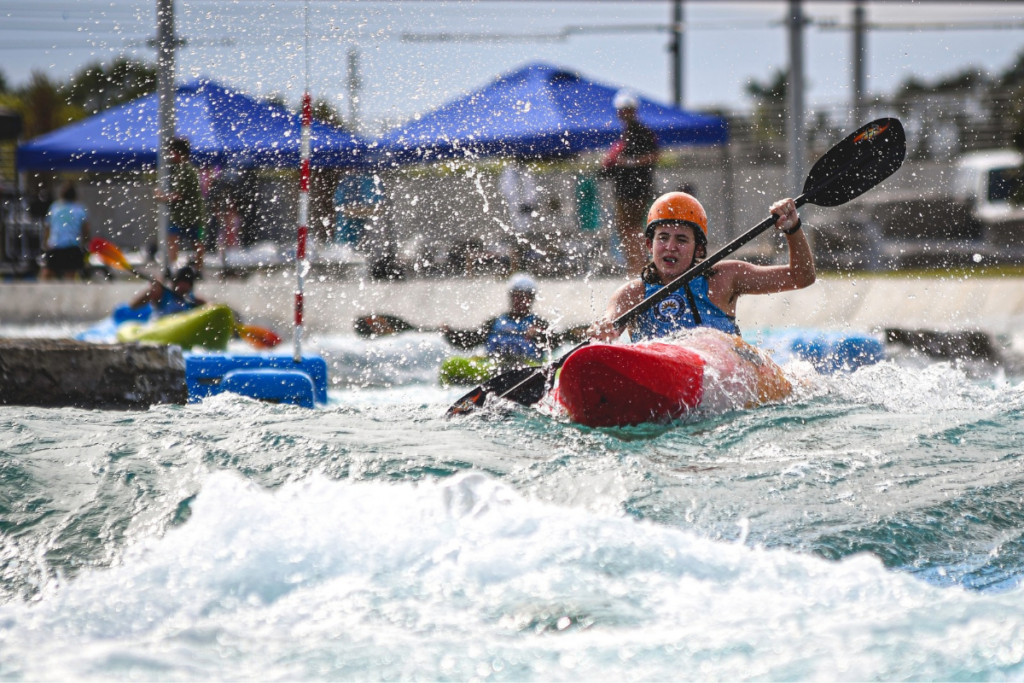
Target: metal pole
pixel 678 51
pixel 303 236
pixel 166 44
pixel 353 88
pixel 860 58
pixel 795 96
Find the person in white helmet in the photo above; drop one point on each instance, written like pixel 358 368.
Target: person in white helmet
pixel 630 161
pixel 516 336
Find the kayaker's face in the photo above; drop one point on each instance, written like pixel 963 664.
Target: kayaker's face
pixel 182 287
pixel 522 303
pixel 672 248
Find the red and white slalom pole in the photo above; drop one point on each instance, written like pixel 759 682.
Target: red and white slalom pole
pixel 300 250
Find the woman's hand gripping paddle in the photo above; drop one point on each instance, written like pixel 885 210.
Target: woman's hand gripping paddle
pixel 260 337
pixel 856 164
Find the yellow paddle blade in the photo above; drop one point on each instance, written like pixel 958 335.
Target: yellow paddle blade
pixel 260 337
pixel 109 253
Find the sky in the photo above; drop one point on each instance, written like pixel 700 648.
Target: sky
pixel 258 46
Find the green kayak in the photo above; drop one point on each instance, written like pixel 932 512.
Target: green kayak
pixel 467 371
pixel 210 326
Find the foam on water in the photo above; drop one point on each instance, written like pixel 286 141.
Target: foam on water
pixel 463 578
pixel 398 360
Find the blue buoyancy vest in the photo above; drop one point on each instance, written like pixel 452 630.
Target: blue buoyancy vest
pixel 673 313
pixel 507 337
pixel 169 303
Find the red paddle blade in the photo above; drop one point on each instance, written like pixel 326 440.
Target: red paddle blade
pixel 108 253
pixel 260 337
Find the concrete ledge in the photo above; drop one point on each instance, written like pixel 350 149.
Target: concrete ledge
pixel 62 372
pixel 995 304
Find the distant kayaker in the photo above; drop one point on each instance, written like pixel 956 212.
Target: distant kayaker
pixel 159 296
pixel 517 335
pixel 676 234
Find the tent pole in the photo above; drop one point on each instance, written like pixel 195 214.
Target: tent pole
pixel 300 249
pixel 677 49
pixel 166 123
pixel 859 50
pixel 795 95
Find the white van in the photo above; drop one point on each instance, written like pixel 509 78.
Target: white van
pixel 985 181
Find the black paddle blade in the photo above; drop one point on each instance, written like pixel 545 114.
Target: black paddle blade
pixel 865 158
pixel 525 386
pixel 380 325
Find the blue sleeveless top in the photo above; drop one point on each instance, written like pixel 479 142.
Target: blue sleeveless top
pixel 674 314
pixel 507 337
pixel 171 304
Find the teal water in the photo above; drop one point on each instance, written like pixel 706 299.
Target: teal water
pixel 872 527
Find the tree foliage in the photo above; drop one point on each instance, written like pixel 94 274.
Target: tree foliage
pixel 99 86
pixel 772 90
pixel 770 98
pixel 42 105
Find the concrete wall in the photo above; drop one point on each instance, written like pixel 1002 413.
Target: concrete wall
pixel 862 303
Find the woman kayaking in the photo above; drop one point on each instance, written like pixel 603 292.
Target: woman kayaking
pixel 707 365
pixel 676 234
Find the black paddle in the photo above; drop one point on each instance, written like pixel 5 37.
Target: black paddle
pixel 861 161
pixel 385 324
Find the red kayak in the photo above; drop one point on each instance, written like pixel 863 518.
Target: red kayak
pixel 605 385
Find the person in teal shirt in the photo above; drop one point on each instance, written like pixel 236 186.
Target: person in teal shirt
pixel 66 231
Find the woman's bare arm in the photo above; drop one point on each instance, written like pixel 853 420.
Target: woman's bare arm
pixel 747 278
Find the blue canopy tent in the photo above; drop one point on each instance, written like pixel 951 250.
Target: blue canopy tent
pixel 538 111
pixel 225 127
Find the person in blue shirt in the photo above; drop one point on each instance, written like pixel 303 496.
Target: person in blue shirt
pixel 676 237
pixel 164 302
pixel 357 200
pixel 515 337
pixel 66 231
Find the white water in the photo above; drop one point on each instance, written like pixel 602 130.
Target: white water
pixel 464 579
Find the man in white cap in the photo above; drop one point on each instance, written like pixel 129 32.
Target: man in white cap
pixel 515 337
pixel 630 161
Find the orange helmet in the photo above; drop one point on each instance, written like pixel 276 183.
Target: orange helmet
pixel 678 208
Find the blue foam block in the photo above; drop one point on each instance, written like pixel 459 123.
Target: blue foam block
pixel 205 373
pixel 828 351
pixel 267 384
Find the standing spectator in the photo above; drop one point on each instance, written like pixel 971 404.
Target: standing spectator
pixel 630 161
pixel 357 200
pixel 248 198
pixel 185 202
pixel 223 225
pixel 66 230
pixel 521 193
